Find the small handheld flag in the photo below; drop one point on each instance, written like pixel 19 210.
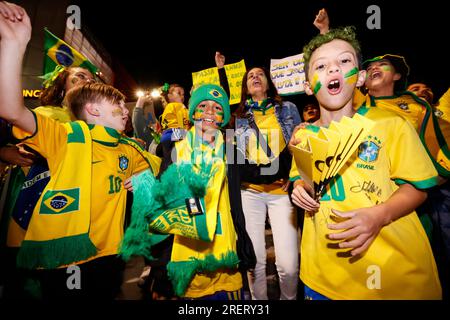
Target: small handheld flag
pixel 59 53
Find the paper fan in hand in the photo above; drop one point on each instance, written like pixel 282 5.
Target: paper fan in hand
pixel 323 154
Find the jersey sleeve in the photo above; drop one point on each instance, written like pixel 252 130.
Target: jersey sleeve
pixel 144 161
pixel 48 139
pixel 408 158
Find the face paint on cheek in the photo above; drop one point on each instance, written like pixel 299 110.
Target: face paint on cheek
pixel 351 76
pixel 386 68
pixel 219 117
pixel 315 83
pixel 198 113
pixel 117 112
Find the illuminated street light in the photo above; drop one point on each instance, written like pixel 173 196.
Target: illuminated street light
pixel 155 93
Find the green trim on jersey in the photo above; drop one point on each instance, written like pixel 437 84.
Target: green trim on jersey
pixel 313 128
pixel 424 184
pixel 362 110
pixel 440 137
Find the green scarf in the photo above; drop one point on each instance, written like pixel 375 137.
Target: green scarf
pixel 159 209
pixel 58 233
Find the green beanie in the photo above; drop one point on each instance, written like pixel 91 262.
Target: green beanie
pixel 210 92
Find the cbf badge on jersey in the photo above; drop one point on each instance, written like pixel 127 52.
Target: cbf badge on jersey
pixel 403 105
pixel 194 206
pixel 368 150
pixel 123 163
pixel 438 113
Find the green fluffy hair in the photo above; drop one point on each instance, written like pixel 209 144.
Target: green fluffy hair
pixel 153 196
pixel 347 34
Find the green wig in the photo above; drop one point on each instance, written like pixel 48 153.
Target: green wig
pixel 347 34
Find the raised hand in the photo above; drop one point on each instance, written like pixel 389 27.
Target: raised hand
pixel 142 100
pixel 15 32
pixel 15 26
pixel 220 60
pixel 322 21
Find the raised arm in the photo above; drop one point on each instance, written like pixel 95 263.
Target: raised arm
pixel 139 122
pixel 322 22
pixel 220 64
pixel 15 32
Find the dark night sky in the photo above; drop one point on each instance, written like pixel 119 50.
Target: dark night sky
pixel 165 41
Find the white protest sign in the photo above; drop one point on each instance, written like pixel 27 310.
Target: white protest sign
pixel 288 74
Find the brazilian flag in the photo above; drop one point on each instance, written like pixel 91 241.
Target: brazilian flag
pixel 57 52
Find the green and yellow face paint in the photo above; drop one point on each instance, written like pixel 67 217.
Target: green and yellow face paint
pixel 386 68
pixel 198 113
pixel 351 76
pixel 219 117
pixel 117 112
pixel 315 83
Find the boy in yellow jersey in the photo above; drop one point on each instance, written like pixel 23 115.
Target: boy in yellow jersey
pixel 386 81
pixel 79 217
pixel 363 242
pixel 202 262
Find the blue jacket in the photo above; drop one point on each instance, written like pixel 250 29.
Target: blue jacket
pixel 287 116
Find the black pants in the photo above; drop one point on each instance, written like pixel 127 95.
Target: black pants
pixel 438 205
pixel 19 284
pixel 99 279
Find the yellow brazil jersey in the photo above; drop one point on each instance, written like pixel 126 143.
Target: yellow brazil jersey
pixel 421 116
pixel 405 106
pixel 358 99
pixel 399 264
pixel 112 163
pixel 61 114
pixel 270 129
pixel 442 112
pixel 175 115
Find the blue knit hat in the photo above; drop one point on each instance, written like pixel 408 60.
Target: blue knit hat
pixel 210 92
